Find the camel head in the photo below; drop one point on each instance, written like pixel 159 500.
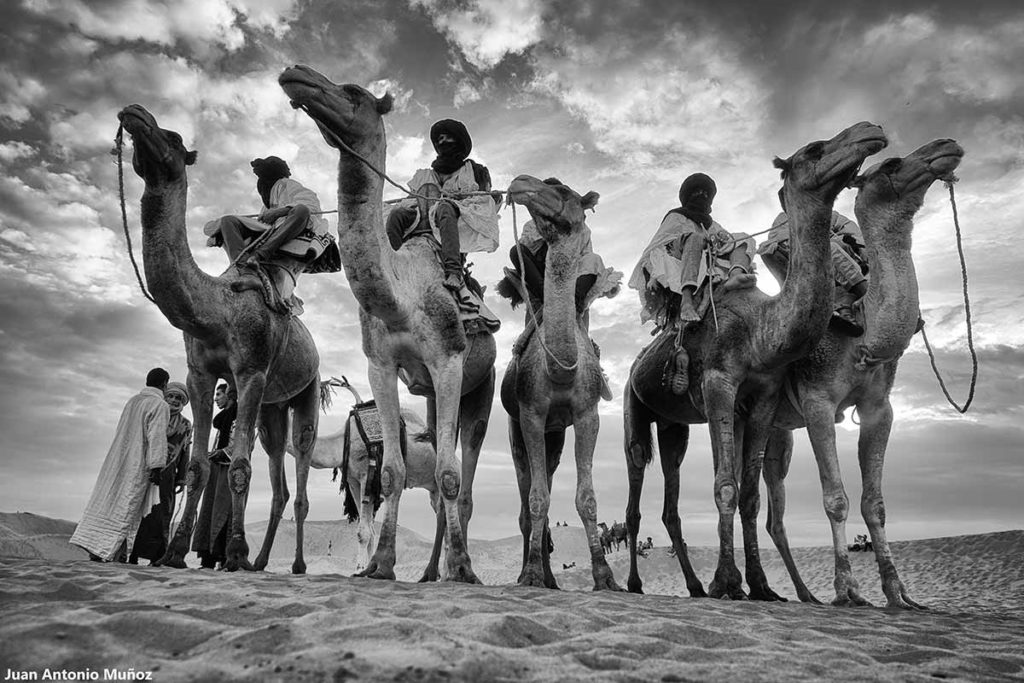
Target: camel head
pixel 556 209
pixel 346 112
pixel 898 186
pixel 159 156
pixel 823 168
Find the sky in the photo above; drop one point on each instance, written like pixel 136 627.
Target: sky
pixel 623 98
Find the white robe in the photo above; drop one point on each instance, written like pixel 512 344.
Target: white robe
pixel 122 494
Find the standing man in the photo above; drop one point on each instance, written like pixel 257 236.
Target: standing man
pixel 155 529
pixel 211 532
pixel 126 486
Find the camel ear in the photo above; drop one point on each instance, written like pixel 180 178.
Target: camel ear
pixel 589 200
pixel 190 157
pixel 783 164
pixel 384 104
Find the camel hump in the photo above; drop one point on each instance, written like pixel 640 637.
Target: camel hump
pixel 295 365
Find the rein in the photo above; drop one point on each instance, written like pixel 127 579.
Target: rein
pixel 118 151
pixel 529 307
pixel 967 316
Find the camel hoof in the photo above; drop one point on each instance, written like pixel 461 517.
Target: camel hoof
pixel 531 579
pixel 464 574
pixel 809 598
pixel 635 586
pixel 608 585
pixel 850 598
pixel 175 562
pixel 765 594
pixel 725 592
pixel 428 577
pixel 697 591
pixel 298 567
pixel 377 571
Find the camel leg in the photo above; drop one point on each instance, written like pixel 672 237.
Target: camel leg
pixel 638 447
pixel 585 427
pixel 305 421
pixel 448 471
pixel 431 574
pixel 273 430
pixel 532 431
pixel 819 414
pixel 384 384
pixel 521 462
pixel 250 393
pixel 200 387
pixel 875 426
pixel 755 436
pixel 720 402
pixel 554 442
pixel 474 415
pixel 673 440
pixel 777 455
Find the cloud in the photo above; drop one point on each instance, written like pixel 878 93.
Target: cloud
pixel 194 21
pixel 487 30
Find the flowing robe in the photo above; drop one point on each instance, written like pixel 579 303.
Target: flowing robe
pixel 123 494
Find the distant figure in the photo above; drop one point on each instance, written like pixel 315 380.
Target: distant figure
pixel 124 489
pixel 155 529
pixel 330 544
pixel 211 532
pixel 568 566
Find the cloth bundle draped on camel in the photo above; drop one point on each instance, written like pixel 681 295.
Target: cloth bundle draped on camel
pixel 737 369
pixel 268 357
pixel 409 321
pixel 843 371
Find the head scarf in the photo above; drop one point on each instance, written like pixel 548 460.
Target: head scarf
pixel 177 388
pixel 268 171
pixel 451 156
pixel 695 196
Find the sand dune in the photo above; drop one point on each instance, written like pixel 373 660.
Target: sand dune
pixel 76 615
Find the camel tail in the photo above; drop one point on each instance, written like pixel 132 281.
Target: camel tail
pixel 638 440
pixel 326 395
pixel 507 289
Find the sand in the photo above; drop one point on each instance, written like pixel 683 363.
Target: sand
pixel 68 614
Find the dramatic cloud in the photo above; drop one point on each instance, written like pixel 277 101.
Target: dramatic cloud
pixel 625 100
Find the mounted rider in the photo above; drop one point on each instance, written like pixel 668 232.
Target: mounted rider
pixel 289 235
pixel 687 253
pixel 449 206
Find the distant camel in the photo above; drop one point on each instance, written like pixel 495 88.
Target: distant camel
pixel 568 566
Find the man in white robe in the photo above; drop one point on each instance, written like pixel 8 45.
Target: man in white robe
pixel 127 485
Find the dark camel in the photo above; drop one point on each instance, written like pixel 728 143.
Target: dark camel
pixel 410 322
pixel 843 371
pixel 554 383
pixel 738 368
pixel 269 357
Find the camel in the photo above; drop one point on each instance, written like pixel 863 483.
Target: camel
pixel 738 356
pixel 554 383
pixel 420 463
pixel 409 321
pixel 844 371
pixel 268 357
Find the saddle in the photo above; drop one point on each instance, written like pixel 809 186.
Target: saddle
pixel 275 281
pixel 366 417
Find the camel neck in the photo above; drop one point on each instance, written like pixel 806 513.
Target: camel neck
pixel 803 306
pixel 180 288
pixel 365 252
pixel 559 326
pixel 892 304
